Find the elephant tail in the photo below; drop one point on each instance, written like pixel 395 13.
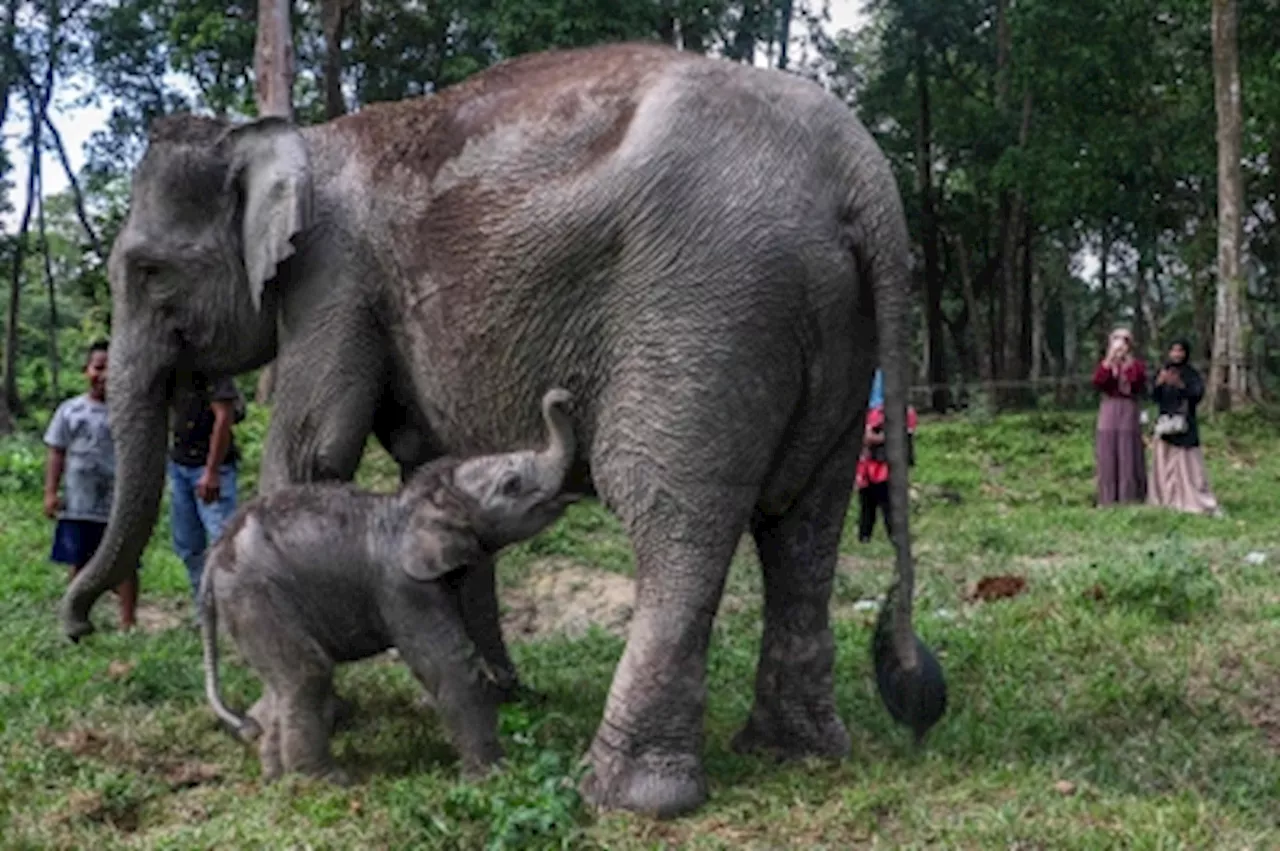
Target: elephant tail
pixel 911 681
pixel 245 728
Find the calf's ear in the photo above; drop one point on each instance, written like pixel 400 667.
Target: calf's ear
pixel 433 549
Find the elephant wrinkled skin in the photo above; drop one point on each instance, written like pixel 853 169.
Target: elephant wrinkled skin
pixel 710 257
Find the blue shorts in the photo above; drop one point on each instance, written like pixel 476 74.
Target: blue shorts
pixel 75 542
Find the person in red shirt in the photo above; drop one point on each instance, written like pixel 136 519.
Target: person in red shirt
pixel 872 476
pixel 1119 454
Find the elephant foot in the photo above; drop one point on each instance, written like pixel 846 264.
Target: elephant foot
pixel 661 785
pixel 518 692
pixel 337 777
pixel 793 732
pixel 473 771
pixel 342 711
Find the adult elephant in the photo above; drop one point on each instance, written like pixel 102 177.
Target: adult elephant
pixel 704 253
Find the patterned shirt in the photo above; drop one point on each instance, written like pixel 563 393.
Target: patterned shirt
pixel 79 428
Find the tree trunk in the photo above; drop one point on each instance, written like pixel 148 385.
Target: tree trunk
pixel 333 19
pixel 1228 368
pixel 1104 306
pixel 1027 320
pixel 979 324
pixel 273 79
pixel 76 193
pixel 743 48
pixel 38 103
pixel 935 359
pixel 784 32
pixel 1013 365
pixel 1036 299
pixel 273 59
pixel 1140 338
pixel 7 75
pixel 51 287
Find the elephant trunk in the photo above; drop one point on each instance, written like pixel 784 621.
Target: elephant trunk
pixel 555 460
pixel 137 406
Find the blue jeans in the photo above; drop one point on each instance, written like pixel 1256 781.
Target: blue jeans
pixel 197 524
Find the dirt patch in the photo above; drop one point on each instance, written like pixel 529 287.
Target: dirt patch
pixel 155 618
pixel 150 617
pixel 997 587
pixel 94 806
pixel 181 775
pixel 562 598
pixel 105 746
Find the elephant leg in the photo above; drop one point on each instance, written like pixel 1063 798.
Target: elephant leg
pixel 444 660
pixel 305 725
pixel 479 598
pixel 646 756
pixel 338 712
pixel 794 712
pixel 326 394
pixel 269 745
pixel 298 702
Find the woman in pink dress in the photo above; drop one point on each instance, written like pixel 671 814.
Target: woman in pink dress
pixel 1118 449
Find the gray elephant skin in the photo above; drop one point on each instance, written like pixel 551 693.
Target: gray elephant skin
pixel 316 574
pixel 711 257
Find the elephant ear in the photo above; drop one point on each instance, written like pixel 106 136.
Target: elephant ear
pixel 270 168
pixel 436 545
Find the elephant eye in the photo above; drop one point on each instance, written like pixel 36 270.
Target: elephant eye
pixel 146 272
pixel 511 486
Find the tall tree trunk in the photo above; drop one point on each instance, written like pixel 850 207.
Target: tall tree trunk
pixel 1036 308
pixel 38 105
pixel 1104 298
pixel 51 287
pixel 935 361
pixel 273 59
pixel 1070 347
pixel 8 35
pixel 1013 365
pixel 784 32
pixel 743 48
pixel 1228 369
pixel 333 19
pixel 977 321
pixel 1140 337
pixel 77 194
pixel 273 91
pixel 1027 269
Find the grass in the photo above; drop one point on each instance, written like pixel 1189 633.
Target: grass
pixel 1129 697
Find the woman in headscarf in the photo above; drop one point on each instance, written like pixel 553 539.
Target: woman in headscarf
pixel 1178 478
pixel 1118 450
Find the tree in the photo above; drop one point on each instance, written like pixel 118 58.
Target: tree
pixel 1228 369
pixel 273 86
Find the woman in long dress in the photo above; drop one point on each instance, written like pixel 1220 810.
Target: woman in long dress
pixel 1178 478
pixel 1119 453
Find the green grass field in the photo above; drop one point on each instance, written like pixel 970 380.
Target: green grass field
pixel 1129 697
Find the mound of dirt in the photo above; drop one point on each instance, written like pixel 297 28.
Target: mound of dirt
pixel 997 587
pixel 562 598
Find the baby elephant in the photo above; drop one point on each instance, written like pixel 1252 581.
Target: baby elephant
pixel 313 575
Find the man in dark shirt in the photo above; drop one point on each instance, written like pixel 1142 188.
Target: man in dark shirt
pixel 202 468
